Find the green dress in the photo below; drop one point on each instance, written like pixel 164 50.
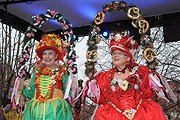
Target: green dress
pixel 54 108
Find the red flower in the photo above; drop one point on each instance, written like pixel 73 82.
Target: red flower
pixel 43 39
pixel 53 42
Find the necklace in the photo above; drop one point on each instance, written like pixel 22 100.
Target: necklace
pixel 122 71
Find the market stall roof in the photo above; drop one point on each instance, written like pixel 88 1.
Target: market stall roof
pixel 81 13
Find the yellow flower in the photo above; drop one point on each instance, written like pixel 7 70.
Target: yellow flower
pixel 58 42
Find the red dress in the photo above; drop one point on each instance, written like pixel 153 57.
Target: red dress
pixel 131 103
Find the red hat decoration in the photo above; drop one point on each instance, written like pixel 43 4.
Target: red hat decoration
pixel 53 42
pixel 125 44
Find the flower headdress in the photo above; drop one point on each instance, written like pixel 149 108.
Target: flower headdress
pixel 125 44
pixel 53 42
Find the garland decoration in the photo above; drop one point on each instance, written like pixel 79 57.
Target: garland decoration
pixel 29 35
pixel 137 21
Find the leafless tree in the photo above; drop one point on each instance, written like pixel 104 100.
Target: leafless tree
pixel 10 49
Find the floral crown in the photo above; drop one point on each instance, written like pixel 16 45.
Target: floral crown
pixel 53 42
pixel 125 44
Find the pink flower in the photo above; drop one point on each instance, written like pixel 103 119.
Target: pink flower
pixel 29 49
pixel 37 21
pixel 66 27
pixel 40 18
pixel 21 59
pixel 71 32
pixel 26 56
pixel 28 34
pixel 21 74
pixel 69 69
pixel 69 43
pixel 67 32
pixel 18 65
pixel 53 13
pixel 70 61
pixel 74 70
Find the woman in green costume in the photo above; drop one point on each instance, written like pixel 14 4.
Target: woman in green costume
pixel 48 84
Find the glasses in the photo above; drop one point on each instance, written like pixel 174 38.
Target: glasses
pixel 119 53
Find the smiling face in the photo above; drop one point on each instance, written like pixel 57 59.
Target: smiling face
pixel 49 57
pixel 119 58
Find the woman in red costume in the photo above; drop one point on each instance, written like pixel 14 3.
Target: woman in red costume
pixel 124 89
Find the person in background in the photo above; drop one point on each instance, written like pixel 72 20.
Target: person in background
pixel 47 87
pixel 124 89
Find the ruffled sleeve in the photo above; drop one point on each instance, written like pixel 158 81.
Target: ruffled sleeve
pixel 30 93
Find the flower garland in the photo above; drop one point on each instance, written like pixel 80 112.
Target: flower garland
pixel 137 21
pixel 29 35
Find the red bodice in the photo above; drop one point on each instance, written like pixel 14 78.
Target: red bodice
pixel 124 99
pixel 131 104
pixel 58 85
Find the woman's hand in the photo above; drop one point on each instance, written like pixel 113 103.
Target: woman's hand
pixel 27 83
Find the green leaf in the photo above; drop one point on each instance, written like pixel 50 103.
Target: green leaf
pixel 40 71
pixel 129 86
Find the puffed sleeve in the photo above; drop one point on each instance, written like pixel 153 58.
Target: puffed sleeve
pixel 145 89
pixel 30 93
pixel 100 78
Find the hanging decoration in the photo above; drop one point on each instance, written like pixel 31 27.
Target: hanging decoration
pixel 137 21
pixel 29 35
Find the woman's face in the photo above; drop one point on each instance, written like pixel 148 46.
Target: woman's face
pixel 49 57
pixel 119 58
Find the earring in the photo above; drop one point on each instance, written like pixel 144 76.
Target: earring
pixel 127 62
